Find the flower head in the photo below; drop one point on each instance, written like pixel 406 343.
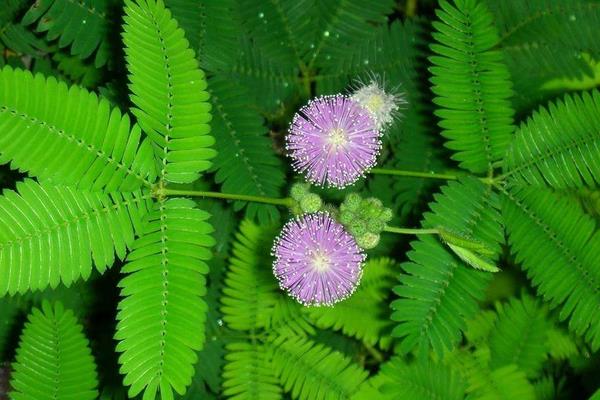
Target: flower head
pixel 333 140
pixel 382 105
pixel 316 261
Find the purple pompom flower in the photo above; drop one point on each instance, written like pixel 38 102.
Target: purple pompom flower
pixel 333 140
pixel 316 261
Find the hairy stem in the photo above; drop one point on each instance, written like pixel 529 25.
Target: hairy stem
pixel 415 174
pixel 410 231
pixel 286 201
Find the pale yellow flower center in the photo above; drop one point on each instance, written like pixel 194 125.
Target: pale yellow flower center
pixel 337 137
pixel 320 261
pixel 374 103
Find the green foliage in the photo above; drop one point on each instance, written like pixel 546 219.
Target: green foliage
pixel 421 380
pixel 437 291
pixel 544 40
pixel 162 314
pixel 504 383
pixel 519 336
pixel 81 25
pixel 168 91
pixel 250 292
pixel 51 234
pixel 307 369
pixel 245 162
pixel 558 146
pixel 472 85
pixel 108 182
pixel 365 314
pixel 557 245
pixel 53 360
pixel 248 373
pixel 80 140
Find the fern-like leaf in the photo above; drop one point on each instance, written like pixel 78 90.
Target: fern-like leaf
pixel 396 64
pixel 560 146
pixel 557 245
pixel 83 25
pixel 363 315
pixel 161 317
pixel 420 380
pixel 340 25
pixel 438 291
pixel 51 234
pixel 168 90
pixel 519 336
pixel 311 371
pixel 53 360
pixel 250 293
pixel 544 40
pixel 68 135
pixel 248 373
pixel 245 162
pixel 504 383
pixel 472 85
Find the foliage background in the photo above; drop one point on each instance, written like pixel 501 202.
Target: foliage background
pixel 264 59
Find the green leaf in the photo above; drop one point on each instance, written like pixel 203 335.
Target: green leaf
pixel 251 292
pixel 168 90
pixel 248 373
pixel 420 380
pixel 559 146
pixel 557 245
pixel 504 383
pixel 162 314
pixel 51 234
pixel 245 162
pixel 437 291
pixel 69 136
pixel 82 25
pixel 519 336
pixel 388 52
pixel 340 24
pixel 363 315
pixel 472 85
pixel 53 360
pixel 544 40
pixel 311 371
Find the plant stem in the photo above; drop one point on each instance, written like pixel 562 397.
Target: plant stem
pixel 374 352
pixel 411 8
pixel 415 174
pixel 410 231
pixel 286 201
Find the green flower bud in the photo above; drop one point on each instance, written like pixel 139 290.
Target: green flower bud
pixel 375 225
pixel 368 240
pixel 352 201
pixel 386 215
pixel 374 203
pixel 347 217
pixel 299 190
pixel 357 228
pixel 311 203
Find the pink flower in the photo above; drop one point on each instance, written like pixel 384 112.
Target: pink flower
pixel 333 140
pixel 316 261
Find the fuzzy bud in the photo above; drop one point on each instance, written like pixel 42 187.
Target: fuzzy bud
pixel 368 240
pixel 299 190
pixel 310 203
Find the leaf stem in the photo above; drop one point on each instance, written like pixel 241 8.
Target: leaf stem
pixel 286 201
pixel 411 231
pixel 415 174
